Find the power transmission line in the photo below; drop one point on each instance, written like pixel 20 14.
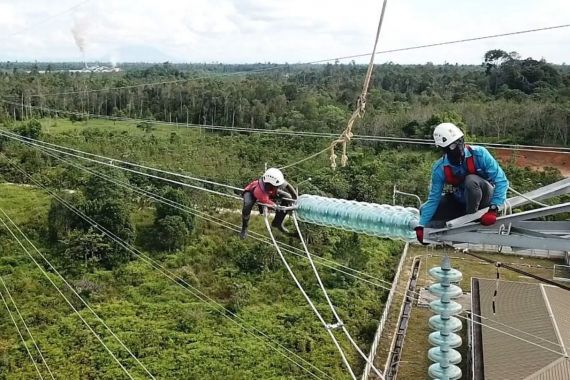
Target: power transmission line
pixel 304 134
pixel 65 297
pixel 451 42
pixel 34 143
pixel 174 204
pixel 20 332
pixel 291 249
pixel 226 313
pixel 236 228
pixel 26 327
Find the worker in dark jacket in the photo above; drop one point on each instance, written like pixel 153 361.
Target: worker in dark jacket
pixel 474 176
pixel 268 191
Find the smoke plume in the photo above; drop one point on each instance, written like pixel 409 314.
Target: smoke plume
pixel 79 34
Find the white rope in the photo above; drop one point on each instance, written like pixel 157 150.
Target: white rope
pixel 65 298
pixel 26 327
pixel 236 228
pixel 20 333
pixel 179 281
pixel 309 301
pixel 333 309
pixel 527 198
pixel 358 113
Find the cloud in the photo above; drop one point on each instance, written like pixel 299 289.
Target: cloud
pixel 279 31
pixel 9 19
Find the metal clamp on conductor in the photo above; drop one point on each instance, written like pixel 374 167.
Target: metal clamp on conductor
pixel 333 326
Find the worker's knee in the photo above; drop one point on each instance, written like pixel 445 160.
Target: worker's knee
pixel 472 181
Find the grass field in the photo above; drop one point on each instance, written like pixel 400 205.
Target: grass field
pixel 54 126
pixel 22 202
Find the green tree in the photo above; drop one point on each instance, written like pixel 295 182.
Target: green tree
pixel 333 118
pixel 176 196
pixel 172 233
pixel 114 215
pixel 250 259
pixel 86 251
pixel 99 188
pixel 441 117
pixel 31 129
pixel 76 117
pixel 62 220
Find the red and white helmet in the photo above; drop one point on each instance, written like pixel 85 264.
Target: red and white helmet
pixel 274 176
pixel 446 133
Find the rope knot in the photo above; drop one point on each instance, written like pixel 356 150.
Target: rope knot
pixel 333 158
pixel 361 104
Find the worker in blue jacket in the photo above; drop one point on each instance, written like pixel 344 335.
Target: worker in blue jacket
pixel 473 178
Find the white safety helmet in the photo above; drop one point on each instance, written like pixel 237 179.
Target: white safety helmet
pixel 446 133
pixel 274 176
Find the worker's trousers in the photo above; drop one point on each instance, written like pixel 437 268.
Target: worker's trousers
pixel 477 194
pixel 248 203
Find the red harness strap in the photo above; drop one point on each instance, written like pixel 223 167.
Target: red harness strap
pixel 454 180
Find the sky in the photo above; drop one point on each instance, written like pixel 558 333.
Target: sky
pixel 278 31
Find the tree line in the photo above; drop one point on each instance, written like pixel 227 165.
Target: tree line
pixel 505 99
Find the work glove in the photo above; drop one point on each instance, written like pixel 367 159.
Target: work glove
pixel 490 217
pixel 420 234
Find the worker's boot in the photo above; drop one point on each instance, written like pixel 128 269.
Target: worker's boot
pixel 278 223
pixel 243 232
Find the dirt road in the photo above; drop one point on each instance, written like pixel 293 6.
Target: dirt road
pixel 536 160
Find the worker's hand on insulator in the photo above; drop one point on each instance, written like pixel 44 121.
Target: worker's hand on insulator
pixel 490 217
pixel 420 234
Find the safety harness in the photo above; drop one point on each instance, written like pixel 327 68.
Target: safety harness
pixel 454 180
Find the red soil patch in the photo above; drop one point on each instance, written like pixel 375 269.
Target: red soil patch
pixel 536 160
